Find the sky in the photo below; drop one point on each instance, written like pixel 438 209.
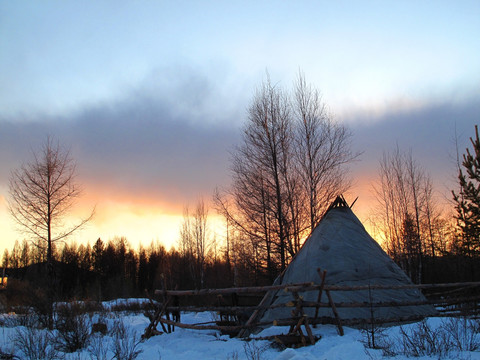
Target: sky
pixel 151 96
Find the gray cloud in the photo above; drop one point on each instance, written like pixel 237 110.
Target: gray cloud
pixel 143 145
pixel 428 131
pixel 171 139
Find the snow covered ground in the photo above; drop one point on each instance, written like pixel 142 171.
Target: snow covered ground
pixel 184 344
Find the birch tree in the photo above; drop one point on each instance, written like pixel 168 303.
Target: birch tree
pixel 322 147
pixel 288 167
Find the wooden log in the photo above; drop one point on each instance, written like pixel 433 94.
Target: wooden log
pixel 166 300
pixel 298 309
pixel 151 328
pixel 234 290
pixel 298 325
pixel 254 317
pixel 241 309
pixel 456 301
pixel 309 331
pixel 287 322
pixel 293 321
pixel 300 332
pixel 203 327
pixel 394 303
pixel 398 287
pixel 303 320
pixel 304 340
pixel 309 304
pixel 458 289
pixel 234 310
pixel 301 287
pixel 322 274
pixel 335 312
pixel 348 322
pixel 162 311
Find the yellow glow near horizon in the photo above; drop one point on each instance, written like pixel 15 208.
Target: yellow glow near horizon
pixel 137 228
pixel 7 226
pixel 143 220
pixel 139 223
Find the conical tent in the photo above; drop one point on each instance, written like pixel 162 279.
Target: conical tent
pixel 341 246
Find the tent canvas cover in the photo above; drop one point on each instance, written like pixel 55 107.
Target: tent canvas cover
pixel 341 246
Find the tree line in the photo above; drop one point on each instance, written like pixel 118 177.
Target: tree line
pixel 114 268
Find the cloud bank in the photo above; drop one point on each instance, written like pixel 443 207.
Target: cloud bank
pixel 169 148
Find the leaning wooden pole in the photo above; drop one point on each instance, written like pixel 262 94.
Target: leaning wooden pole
pixel 152 327
pixel 322 274
pixel 166 301
pixel 157 312
pixel 254 317
pixel 335 313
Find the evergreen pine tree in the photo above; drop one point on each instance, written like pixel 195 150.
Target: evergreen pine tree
pixel 467 201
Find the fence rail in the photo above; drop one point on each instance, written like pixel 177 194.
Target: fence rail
pixel 310 286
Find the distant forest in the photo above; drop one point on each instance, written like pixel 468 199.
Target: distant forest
pixel 113 269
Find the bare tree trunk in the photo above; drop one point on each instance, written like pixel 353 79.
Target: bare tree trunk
pixel 415 178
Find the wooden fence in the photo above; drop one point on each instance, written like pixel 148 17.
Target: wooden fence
pixel 452 299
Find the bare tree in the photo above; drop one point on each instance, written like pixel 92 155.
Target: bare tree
pixel 201 238
pixel 407 216
pixel 259 193
pixel 322 148
pixel 194 241
pixel 42 193
pixel 392 202
pixel 185 242
pixel 266 147
pixel 287 169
